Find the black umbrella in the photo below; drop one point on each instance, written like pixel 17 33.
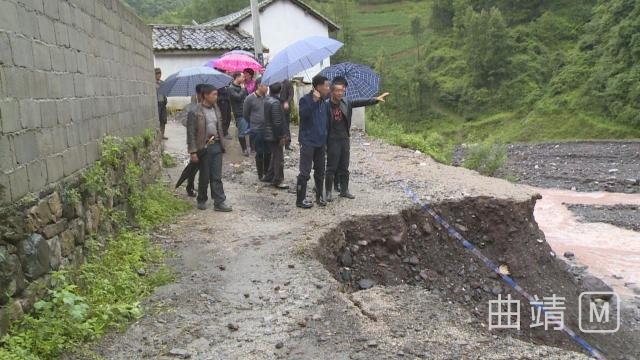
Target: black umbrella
pixel 191 169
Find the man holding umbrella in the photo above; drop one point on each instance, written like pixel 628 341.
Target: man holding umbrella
pixel 204 141
pixel 314 114
pixel 338 143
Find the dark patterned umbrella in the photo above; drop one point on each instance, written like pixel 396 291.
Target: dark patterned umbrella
pixel 183 83
pixel 363 83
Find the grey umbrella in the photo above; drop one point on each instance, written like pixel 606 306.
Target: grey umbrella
pixel 183 83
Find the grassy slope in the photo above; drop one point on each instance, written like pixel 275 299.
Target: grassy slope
pixel 386 26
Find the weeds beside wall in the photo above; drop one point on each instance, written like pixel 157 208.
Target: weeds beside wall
pixel 76 262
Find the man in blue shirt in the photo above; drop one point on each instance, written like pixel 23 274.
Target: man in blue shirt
pixel 314 117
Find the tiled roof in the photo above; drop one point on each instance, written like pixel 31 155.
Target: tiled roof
pixel 235 18
pixel 189 37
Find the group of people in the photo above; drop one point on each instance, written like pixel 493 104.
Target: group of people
pixel 325 125
pixel 262 115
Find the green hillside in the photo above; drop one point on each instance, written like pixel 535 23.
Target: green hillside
pixel 499 70
pixel 491 70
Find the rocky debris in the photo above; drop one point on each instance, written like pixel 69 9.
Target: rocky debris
pixel 624 216
pixel 592 283
pixel 279 345
pixel 569 254
pixel 573 165
pixel 233 327
pixel 364 284
pixel 181 353
pixel 346 259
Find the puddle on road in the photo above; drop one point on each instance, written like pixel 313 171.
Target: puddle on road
pixel 608 250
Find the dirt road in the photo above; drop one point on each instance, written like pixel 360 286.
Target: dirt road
pixel 250 285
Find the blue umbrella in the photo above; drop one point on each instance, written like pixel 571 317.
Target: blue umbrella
pixel 183 83
pixel 363 83
pixel 298 57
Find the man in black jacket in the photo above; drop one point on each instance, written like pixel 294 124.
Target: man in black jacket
pixel 338 142
pixel 275 136
pixel 237 94
pixel 286 98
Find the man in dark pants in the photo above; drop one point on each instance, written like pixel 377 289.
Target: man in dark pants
pixel 286 98
pixel 237 95
pixel 254 112
pixel 191 179
pixel 275 136
pixel 204 141
pixel 314 115
pixel 338 143
pixel 162 103
pixel 224 104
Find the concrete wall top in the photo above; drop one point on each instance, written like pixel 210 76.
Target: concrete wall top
pixel 71 72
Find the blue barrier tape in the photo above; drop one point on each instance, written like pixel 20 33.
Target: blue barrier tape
pixel 452 232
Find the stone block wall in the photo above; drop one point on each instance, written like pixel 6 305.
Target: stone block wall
pixel 71 71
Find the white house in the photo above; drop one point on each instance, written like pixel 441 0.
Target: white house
pixel 178 46
pixel 282 22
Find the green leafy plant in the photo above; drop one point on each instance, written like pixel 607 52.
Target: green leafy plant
pixel 94 179
pixel 168 161
pixel 71 196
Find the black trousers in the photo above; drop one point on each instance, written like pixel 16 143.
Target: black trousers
pixel 276 165
pixel 263 152
pixel 338 156
pixel 311 156
pixel 287 126
pixel 211 175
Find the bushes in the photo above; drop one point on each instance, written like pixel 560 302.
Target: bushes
pixel 486 157
pixel 430 143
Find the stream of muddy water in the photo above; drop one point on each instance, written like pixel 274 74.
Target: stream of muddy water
pixel 610 252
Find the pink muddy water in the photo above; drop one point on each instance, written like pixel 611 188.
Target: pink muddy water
pixel 606 249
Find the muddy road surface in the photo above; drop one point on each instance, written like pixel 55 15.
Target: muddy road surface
pixel 370 278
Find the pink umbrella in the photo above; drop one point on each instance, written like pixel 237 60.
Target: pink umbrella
pixel 236 62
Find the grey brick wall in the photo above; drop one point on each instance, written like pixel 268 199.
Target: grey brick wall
pixel 71 72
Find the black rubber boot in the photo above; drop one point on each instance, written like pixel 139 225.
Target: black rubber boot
pixel 267 177
pixel 328 188
pixel 319 190
pixel 260 167
pixel 301 195
pixel 344 187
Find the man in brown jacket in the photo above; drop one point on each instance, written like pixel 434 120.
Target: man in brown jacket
pixel 204 140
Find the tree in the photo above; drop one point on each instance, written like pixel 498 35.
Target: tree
pixel 487 46
pixel 441 15
pixel 417 30
pixel 343 13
